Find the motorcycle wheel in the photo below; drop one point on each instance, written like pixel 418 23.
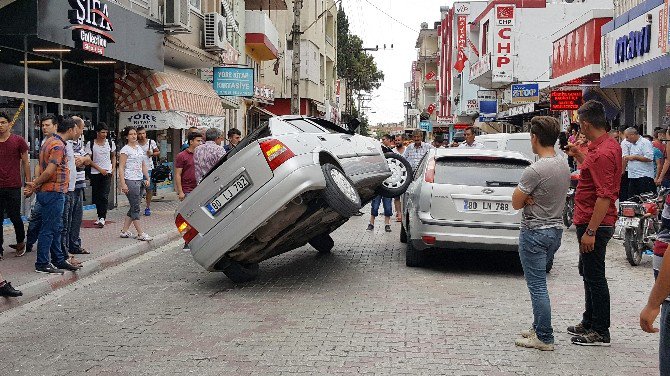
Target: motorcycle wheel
pixel 568 210
pixel 631 244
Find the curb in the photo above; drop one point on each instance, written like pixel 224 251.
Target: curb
pixel 36 289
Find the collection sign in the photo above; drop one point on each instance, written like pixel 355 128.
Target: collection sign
pixel 566 100
pixel 233 82
pixel 91 25
pixel 503 64
pixel 525 93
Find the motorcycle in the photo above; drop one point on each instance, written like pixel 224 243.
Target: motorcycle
pixel 640 220
pixel 569 208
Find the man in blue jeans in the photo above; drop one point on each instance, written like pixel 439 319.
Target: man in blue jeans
pixel 541 226
pixel 51 187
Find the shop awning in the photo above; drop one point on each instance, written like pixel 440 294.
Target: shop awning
pixel 163 91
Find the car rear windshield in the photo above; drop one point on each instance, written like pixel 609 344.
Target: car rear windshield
pixel 479 171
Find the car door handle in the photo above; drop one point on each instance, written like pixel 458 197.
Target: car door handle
pixel 321 138
pixel 348 138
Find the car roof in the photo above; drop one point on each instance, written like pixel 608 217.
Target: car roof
pixel 502 136
pixel 458 152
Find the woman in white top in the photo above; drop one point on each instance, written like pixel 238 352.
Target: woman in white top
pixel 133 175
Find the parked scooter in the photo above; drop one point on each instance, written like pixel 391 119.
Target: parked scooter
pixel 640 221
pixel 569 208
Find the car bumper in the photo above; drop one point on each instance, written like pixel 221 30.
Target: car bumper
pixel 465 235
pixel 209 248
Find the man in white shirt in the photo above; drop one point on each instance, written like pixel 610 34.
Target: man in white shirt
pixel 470 142
pixel 151 150
pixel 416 150
pixel 639 160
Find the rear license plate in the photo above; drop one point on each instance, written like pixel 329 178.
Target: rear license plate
pixel 228 194
pixel 487 206
pixel 629 222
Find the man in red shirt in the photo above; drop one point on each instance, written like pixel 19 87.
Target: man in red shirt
pixel 13 155
pixel 595 216
pixel 184 167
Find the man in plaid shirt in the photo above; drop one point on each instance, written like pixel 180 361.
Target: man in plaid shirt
pixel 415 151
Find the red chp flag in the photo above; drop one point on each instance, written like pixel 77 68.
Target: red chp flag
pixel 430 75
pixel 460 61
pixel 431 108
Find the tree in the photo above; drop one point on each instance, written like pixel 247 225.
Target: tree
pixel 356 67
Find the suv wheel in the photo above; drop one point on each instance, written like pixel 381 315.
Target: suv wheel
pixel 414 257
pixel 340 193
pixel 400 179
pixel 322 243
pixel 241 273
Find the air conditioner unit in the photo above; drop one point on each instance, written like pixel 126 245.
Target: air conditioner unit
pixel 215 32
pixel 177 14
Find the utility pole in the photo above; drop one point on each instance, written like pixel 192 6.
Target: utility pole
pixel 295 73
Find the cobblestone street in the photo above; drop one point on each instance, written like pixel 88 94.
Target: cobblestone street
pixel 356 311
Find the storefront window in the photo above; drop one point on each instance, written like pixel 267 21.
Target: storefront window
pixel 80 83
pixel 43 76
pixel 12 78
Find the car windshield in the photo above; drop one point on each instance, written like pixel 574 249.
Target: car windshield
pixel 479 171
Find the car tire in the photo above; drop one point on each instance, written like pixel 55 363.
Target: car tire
pixel 241 273
pixel 340 193
pixel 403 234
pixel 323 243
pixel 414 257
pixel 400 179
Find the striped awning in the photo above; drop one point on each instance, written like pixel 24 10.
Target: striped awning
pixel 145 90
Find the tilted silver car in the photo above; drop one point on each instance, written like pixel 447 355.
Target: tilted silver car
pixel 289 183
pixel 462 199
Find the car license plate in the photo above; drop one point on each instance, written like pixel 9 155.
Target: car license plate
pixel 489 206
pixel 228 194
pixel 629 222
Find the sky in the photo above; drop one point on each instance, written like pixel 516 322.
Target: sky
pixel 376 28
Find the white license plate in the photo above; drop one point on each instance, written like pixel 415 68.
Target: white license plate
pixel 487 206
pixel 629 222
pixel 228 194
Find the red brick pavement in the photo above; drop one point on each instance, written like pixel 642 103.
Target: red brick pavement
pixel 100 242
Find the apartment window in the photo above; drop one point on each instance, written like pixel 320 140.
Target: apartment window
pixel 485 38
pixel 196 5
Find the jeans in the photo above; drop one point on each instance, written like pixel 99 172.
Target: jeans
pixel 52 204
pixel 72 216
pixel 536 249
pixel 596 291
pixel 100 186
pixel 641 185
pixel 388 206
pixel 10 202
pixel 664 346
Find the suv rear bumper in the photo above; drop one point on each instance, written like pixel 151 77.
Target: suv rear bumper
pixel 465 235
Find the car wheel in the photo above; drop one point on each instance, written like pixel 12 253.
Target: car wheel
pixel 414 257
pixel 322 243
pixel 340 193
pixel 241 273
pixel 403 234
pixel 400 179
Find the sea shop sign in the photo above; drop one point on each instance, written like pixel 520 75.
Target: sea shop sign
pixel 91 25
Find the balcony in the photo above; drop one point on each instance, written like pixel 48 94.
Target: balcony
pixel 262 38
pixel 265 5
pixel 481 74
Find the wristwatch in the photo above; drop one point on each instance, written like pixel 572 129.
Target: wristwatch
pixel 590 232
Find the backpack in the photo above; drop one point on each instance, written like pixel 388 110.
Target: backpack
pixel 161 173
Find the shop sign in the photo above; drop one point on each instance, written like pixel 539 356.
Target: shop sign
pixel 233 82
pixel 151 120
pixel 518 110
pixel 443 120
pixel 525 93
pixel 264 93
pixel 471 105
pixel 158 120
pixel 488 110
pixel 481 66
pixel 636 43
pixel 91 25
pixel 426 126
pixel 566 100
pixel 502 64
pixel 462 8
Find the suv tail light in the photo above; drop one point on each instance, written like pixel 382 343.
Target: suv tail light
pixel 185 230
pixel 275 153
pixel 430 172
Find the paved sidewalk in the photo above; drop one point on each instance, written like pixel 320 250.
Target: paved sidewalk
pixel 106 247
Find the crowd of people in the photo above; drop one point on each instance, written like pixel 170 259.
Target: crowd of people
pixel 59 179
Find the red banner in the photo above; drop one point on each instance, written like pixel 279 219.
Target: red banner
pixel 461 42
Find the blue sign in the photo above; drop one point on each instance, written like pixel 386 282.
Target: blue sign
pixel 488 110
pixel 636 43
pixel 233 82
pixel 426 126
pixel 526 93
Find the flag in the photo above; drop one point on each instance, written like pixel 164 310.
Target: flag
pixel 460 61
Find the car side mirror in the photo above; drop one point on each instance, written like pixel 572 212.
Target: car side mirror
pixel 353 125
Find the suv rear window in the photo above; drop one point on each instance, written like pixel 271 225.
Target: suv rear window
pixel 479 171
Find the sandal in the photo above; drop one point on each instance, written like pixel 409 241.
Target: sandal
pixel 80 251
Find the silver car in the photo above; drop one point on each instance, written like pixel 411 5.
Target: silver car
pixel 462 199
pixel 289 183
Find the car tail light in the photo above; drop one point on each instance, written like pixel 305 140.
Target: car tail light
pixel 430 172
pixel 628 211
pixel 275 153
pixel 185 230
pixel 430 240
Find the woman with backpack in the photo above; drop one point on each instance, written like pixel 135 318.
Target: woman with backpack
pixel 103 156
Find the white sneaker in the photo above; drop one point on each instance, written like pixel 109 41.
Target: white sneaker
pixel 127 234
pixel 144 237
pixel 101 222
pixel 97 222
